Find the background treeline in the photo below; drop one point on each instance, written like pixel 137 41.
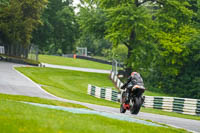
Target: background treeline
pixel 18 19
pixel 60 29
pixel 158 38
pixel 161 36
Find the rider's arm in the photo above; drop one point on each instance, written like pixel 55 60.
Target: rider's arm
pixel 125 84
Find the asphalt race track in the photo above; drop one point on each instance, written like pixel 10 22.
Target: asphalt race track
pixel 76 68
pixel 13 82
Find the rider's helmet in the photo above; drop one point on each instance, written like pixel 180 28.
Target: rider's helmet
pixel 134 73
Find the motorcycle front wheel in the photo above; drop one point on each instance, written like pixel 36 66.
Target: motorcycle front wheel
pixel 122 110
pixel 122 101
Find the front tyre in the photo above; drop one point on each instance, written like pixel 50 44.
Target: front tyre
pixel 122 101
pixel 122 110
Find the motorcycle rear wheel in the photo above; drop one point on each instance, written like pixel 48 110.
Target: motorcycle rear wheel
pixel 136 106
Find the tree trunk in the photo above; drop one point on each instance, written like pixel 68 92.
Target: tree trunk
pixel 130 45
pixel 128 68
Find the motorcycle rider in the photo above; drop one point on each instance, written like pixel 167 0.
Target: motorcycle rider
pixel 133 79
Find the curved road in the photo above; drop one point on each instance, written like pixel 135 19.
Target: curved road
pixel 13 82
pixel 77 68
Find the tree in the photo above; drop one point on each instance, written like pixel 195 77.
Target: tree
pixel 125 22
pixel 172 71
pixel 161 37
pixel 94 45
pixel 92 21
pixel 92 27
pixel 66 29
pixel 17 21
pixel 59 30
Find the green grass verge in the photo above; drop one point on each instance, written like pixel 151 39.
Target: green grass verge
pixel 101 57
pixel 58 60
pixel 150 93
pixel 73 85
pixel 38 100
pixel 69 84
pixel 173 114
pixel 18 117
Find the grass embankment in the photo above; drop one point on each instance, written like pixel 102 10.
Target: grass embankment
pixel 173 114
pixel 69 84
pixel 102 58
pixel 59 60
pixel 19 117
pixel 150 93
pixel 73 85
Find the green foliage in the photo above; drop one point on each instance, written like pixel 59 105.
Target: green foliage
pixel 161 37
pixel 92 25
pixel 189 78
pixel 59 31
pixel 172 50
pixel 92 20
pixel 94 44
pixel 128 23
pixel 175 69
pixel 123 20
pixel 18 19
pixel 120 53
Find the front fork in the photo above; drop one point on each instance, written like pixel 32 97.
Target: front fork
pixel 128 94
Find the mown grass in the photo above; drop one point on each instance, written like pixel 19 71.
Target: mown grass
pixel 101 57
pixel 38 100
pixel 59 60
pixel 69 84
pixel 73 85
pixel 16 117
pixel 150 93
pixel 173 114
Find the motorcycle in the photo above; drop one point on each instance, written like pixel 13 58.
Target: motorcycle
pixel 136 99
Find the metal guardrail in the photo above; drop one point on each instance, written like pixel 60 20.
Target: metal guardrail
pixel 174 104
pixel 104 93
pixel 2 50
pixel 116 80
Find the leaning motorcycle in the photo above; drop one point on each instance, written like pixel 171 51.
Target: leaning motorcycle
pixel 136 99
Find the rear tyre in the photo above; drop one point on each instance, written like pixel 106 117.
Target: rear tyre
pixel 136 106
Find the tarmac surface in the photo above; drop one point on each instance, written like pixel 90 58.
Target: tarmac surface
pixel 13 82
pixel 76 68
